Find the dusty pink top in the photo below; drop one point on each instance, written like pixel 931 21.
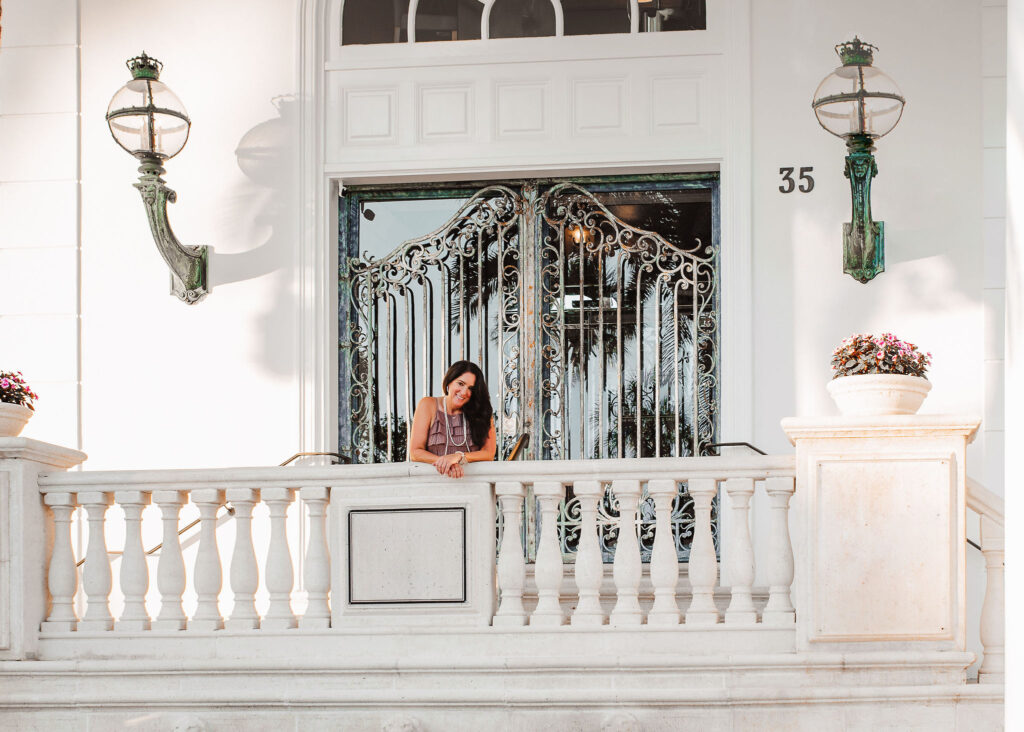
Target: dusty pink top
pixel 445 439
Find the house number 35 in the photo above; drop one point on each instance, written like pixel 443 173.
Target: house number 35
pixel 789 184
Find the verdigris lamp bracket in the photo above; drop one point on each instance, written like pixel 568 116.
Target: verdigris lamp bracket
pixel 149 121
pixel 863 238
pixel 860 104
pixel 188 264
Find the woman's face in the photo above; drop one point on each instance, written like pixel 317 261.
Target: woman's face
pixel 461 389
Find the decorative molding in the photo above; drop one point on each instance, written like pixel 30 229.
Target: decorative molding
pixel 598 106
pixel 521 109
pixel 445 112
pixel 370 116
pixel 675 103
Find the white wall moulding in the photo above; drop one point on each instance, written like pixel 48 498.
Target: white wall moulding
pixel 881 498
pixel 466 116
pixel 410 554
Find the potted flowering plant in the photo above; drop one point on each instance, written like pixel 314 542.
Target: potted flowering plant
pixel 876 375
pixel 16 403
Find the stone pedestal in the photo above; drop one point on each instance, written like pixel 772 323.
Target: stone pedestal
pixel 879 513
pixel 24 542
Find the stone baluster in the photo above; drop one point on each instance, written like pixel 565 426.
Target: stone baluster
pixel 779 562
pixel 244 575
pixel 703 562
pixel 627 567
pixel 993 631
pixel 134 576
pixel 280 574
pixel 96 577
pixel 62 578
pixel 208 575
pixel 511 562
pixel 170 568
pixel 548 567
pixel 664 559
pixel 741 609
pixel 589 569
pixel 317 568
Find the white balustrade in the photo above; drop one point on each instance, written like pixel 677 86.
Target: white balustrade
pixel 96 577
pixel 548 567
pixel 588 569
pixel 317 568
pixel 170 568
pixel 62 578
pixel 245 578
pixel 703 562
pixel 511 562
pixel 664 560
pixel 741 555
pixel 779 560
pixel 134 570
pixel 208 576
pixel 627 568
pixel 993 631
pixel 280 576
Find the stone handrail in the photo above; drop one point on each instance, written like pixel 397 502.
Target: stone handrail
pixel 278 487
pixel 989 507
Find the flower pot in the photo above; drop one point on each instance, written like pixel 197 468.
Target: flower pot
pixel 865 395
pixel 13 418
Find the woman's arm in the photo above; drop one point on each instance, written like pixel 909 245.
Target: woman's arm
pixel 421 420
pixel 485 453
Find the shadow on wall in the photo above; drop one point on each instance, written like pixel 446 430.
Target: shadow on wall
pixel 268 156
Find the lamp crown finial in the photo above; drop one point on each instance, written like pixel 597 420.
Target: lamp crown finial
pixel 144 67
pixel 856 52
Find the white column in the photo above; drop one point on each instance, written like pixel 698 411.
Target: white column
pixel 317 568
pixel 703 562
pixel 993 632
pixel 96 577
pixel 627 567
pixel 589 569
pixel 511 562
pixel 209 577
pixel 170 568
pixel 62 578
pixel 741 553
pixel 134 572
pixel 664 560
pixel 779 562
pixel 548 567
pixel 245 577
pixel 280 574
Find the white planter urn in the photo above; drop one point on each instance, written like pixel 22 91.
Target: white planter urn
pixel 873 395
pixel 13 418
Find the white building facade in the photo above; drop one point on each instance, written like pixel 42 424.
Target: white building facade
pixel 169 400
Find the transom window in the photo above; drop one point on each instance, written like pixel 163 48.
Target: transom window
pixel 380 21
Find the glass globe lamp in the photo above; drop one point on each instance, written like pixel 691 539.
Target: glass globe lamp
pixel 145 117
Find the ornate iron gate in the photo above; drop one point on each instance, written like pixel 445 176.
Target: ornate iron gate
pixel 597 337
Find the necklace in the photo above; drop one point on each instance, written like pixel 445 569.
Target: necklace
pixel 449 437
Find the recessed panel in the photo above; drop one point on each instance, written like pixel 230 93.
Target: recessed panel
pixel 399 556
pixel 370 115
pixel 902 588
pixel 598 107
pixel 674 103
pixel 521 109
pixel 445 112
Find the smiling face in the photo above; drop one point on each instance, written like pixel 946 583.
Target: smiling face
pixel 459 391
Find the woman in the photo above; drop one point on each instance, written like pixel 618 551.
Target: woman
pixel 455 429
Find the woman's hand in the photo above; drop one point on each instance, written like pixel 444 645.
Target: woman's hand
pixel 450 465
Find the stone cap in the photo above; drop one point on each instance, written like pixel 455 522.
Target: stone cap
pixel 25 448
pixel 892 425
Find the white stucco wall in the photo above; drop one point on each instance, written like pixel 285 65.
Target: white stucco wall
pixel 219 383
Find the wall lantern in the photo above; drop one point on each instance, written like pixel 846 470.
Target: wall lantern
pixel 149 121
pixel 859 103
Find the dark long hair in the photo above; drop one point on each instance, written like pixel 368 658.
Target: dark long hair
pixel 478 409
